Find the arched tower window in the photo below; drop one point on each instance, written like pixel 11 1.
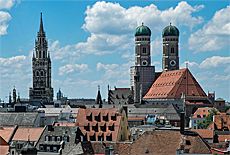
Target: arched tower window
pixel 41 83
pixel 44 54
pixel 144 49
pixel 40 54
pixel 41 73
pixel 172 50
pixel 37 73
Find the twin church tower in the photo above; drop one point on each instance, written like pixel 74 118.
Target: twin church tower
pixel 141 75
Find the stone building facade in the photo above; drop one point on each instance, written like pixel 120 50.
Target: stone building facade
pixel 41 67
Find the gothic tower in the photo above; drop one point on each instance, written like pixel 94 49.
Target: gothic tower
pixel 170 60
pixel 41 66
pixel 142 74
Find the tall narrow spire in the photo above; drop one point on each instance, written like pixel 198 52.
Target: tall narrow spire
pixel 41 26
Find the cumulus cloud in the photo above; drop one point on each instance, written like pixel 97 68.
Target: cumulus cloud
pixel 215 61
pixel 63 52
pixel 111 18
pixel 156 47
pixel 214 35
pixel 192 65
pixel 8 65
pixel 97 44
pixel 100 44
pixel 114 70
pixel 74 69
pixel 4 18
pixel 6 4
pixel 221 78
pixel 128 55
pixel 106 67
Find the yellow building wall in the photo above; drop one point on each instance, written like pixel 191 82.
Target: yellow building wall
pixel 123 133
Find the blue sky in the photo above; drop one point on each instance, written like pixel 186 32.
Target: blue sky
pixel 92 42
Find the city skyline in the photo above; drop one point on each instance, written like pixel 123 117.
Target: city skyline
pixel 92 43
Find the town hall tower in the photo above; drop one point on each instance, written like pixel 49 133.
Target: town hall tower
pixel 41 66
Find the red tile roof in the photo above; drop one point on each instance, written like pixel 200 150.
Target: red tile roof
pixel 223 138
pixel 99 148
pixel 222 122
pixel 5 132
pixel 201 112
pixel 22 133
pixel 82 122
pixel 166 142
pixel 205 133
pixel 4 146
pixel 210 126
pixel 171 84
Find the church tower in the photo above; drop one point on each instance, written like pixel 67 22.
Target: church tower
pixel 142 74
pixel 170 60
pixel 41 66
pixel 142 46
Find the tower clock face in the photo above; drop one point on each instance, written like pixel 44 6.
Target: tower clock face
pixel 172 62
pixel 144 63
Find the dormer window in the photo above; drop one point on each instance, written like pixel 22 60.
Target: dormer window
pixel 86 127
pixel 105 118
pixel 95 128
pixel 114 118
pixel 111 128
pixel 103 128
pixel 89 118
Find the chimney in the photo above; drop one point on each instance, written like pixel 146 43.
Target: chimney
pixel 182 122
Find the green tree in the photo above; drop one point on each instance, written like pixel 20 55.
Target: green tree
pixel 226 108
pixel 208 119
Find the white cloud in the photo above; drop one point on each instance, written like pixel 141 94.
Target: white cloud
pixel 74 69
pixel 192 65
pixel 58 53
pixel 214 35
pixel 115 71
pixel 221 78
pixel 6 4
pixel 4 18
pixel 100 44
pixel 128 55
pixel 106 67
pixel 156 46
pixel 215 61
pixel 111 18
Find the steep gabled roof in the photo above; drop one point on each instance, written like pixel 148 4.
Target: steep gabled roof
pixel 83 122
pixel 172 84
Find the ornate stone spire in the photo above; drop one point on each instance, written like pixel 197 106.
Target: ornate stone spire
pixel 41 31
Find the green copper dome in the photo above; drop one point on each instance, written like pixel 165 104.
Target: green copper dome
pixel 170 31
pixel 142 31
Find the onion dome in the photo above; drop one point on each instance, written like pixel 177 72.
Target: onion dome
pixel 142 31
pixel 170 31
